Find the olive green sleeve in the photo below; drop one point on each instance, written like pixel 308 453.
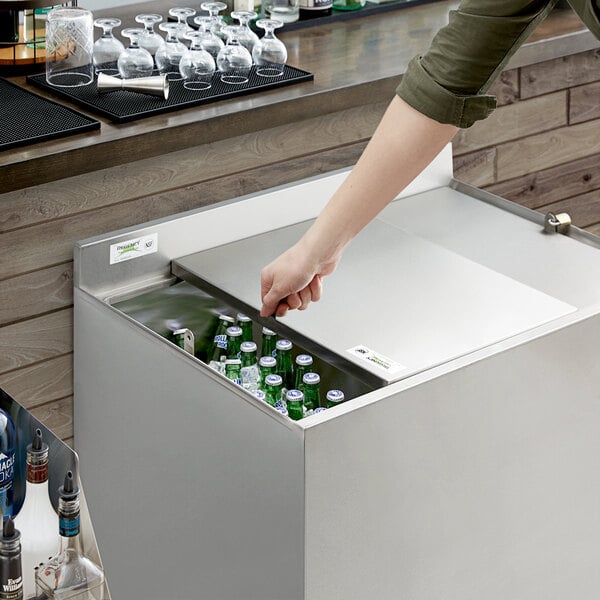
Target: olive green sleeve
pixel 449 82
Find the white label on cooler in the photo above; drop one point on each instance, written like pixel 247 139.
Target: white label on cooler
pixel 383 362
pixel 135 248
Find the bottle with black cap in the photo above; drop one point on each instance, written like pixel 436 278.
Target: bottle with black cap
pixel 70 573
pixel 11 581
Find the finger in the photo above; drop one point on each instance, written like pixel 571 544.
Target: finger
pixel 294 301
pixel 316 288
pixel 282 309
pixel 305 296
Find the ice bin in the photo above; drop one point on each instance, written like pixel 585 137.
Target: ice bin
pixel 465 470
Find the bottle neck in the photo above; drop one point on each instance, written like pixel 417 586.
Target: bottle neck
pixel 37 473
pixel 68 517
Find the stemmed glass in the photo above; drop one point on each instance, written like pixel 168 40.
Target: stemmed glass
pixel 182 14
pixel 213 9
pixel 197 65
pixel 246 36
pixel 169 56
pixel 234 61
pixel 107 48
pixel 150 40
pixel 269 53
pixel 134 61
pixel 210 41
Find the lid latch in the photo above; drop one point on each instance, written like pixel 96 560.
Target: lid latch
pixel 559 223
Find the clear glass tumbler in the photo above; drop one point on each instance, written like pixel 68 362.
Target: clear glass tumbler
pixel 285 11
pixel 69 47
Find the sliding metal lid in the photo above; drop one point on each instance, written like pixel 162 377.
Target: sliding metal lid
pixel 397 304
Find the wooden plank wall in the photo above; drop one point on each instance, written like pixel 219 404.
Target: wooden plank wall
pixel 541 148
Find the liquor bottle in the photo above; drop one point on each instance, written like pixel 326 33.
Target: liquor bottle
pixel 234 341
pixel 70 573
pixel 7 463
pixel 219 348
pixel 285 367
pixel 312 392
pixel 334 397
pixel 269 338
pixel 273 391
pixel 233 368
pixel 311 9
pixel 266 366
pixel 243 321
pixel 11 580
pixel 250 374
pixel 9 26
pixel 295 404
pixel 36 520
pixel 304 364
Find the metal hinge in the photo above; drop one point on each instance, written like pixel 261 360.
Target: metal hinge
pixel 559 223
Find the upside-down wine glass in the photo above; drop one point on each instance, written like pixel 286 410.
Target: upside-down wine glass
pixel 269 54
pixel 246 36
pixel 107 48
pixel 197 65
pixel 182 14
pixel 134 61
pixel 150 40
pixel 213 9
pixel 169 56
pixel 210 41
pixel 234 61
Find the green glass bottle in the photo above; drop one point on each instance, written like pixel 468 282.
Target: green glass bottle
pixel 269 339
pixel 273 391
pixel 295 404
pixel 266 366
pixel 233 367
pixel 285 367
pixel 304 364
pixel 250 373
pixel 234 342
pixel 312 392
pixel 219 345
pixel 246 325
pixel 334 397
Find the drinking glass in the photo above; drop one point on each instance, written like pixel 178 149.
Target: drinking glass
pixel 134 61
pixel 182 14
pixel 269 53
pixel 69 47
pixel 246 36
pixel 234 61
pixel 169 56
pixel 210 41
pixel 150 40
pixel 286 11
pixel 213 9
pixel 107 47
pixel 197 66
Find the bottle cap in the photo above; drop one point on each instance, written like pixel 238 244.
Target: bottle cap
pixel 232 361
pixel 283 345
pixel 243 318
pixel 234 331
pixel 311 378
pixel 248 347
pixel 335 396
pixel 304 360
pixel 68 490
pixel 267 361
pixel 319 409
pixel 294 396
pixel 267 331
pixel 9 533
pixel 273 380
pixel 227 318
pixel 259 394
pixel 37 451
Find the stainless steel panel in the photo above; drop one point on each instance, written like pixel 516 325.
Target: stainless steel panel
pixel 407 299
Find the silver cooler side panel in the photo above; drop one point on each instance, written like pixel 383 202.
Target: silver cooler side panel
pixel 196 492
pixel 478 483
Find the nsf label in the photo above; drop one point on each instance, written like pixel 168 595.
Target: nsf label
pixel 147 244
pixel 379 360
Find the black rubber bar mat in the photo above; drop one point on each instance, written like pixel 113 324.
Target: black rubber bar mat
pixel 122 106
pixel 26 118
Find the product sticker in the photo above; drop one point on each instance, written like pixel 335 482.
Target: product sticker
pixel 383 362
pixel 135 248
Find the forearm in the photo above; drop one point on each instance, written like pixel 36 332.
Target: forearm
pixel 404 143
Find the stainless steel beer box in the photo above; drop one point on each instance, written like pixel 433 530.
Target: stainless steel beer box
pixel 464 466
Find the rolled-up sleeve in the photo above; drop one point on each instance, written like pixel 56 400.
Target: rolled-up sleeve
pixel 449 83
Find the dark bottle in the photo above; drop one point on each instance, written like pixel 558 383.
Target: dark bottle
pixel 312 9
pixel 11 580
pixel 9 26
pixel 7 463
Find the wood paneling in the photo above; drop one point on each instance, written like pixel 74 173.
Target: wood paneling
pixel 40 383
pixel 35 340
pixel 584 102
pixel 559 74
pixel 506 87
pixel 584 210
pixel 57 416
pixel 476 168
